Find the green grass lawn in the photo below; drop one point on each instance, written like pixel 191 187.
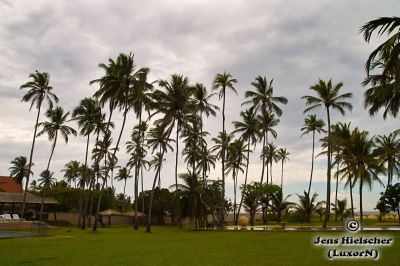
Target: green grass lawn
pixel 173 246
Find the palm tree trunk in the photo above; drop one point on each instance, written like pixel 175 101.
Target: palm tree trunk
pixel 328 181
pixel 176 155
pixel 52 150
pixel 351 197
pixel 123 197
pixel 141 182
pixel 48 166
pixel 282 178
pixel 148 227
pixel 30 161
pixel 270 169
pixel 245 177
pixel 223 164
pixel 81 221
pixel 361 205
pixel 136 185
pixel 99 205
pixel 312 162
pixel 42 204
pixel 234 196
pixel 337 185
pixel 86 204
pixel 263 161
pixel 136 221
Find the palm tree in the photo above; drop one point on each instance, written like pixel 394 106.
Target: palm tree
pixel 384 90
pixel 234 163
pixel 72 171
pixel 203 106
pixel 56 125
pixel 312 124
pixel 270 155
pixel 328 97
pixel 283 155
pixel 38 91
pixel 123 175
pixel 19 169
pixel 176 104
pixel 223 81
pixel 263 100
pixel 280 204
pixel 250 132
pixel 46 181
pixel 267 122
pixel 341 209
pixel 87 114
pixel 307 205
pixel 156 163
pixel 158 138
pixel 361 161
pixel 388 148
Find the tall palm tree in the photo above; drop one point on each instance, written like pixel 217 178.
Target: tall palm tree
pixel 388 148
pixel 361 161
pixel 312 124
pixel 39 90
pixel 283 155
pixel 235 156
pixel 123 175
pixel 203 106
pixel 222 82
pixel 56 125
pixel 250 132
pixel 329 98
pixel 158 138
pixel 87 114
pixel 19 169
pixel 265 102
pixel 267 122
pixel 270 155
pixel 176 104
pixel 46 181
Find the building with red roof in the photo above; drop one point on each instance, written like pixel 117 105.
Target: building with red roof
pixel 7 184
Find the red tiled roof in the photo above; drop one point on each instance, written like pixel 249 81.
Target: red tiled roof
pixel 7 184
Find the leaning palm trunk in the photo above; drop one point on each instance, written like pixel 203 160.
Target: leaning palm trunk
pixel 42 204
pixel 48 166
pixel 245 179
pixel 30 159
pixel 106 174
pixel 312 163
pixel 157 176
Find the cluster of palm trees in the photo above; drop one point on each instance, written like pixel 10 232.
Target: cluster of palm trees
pixel 174 113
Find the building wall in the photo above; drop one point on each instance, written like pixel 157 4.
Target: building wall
pixel 7 184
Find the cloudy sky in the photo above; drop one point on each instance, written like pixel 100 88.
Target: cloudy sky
pixel 294 42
